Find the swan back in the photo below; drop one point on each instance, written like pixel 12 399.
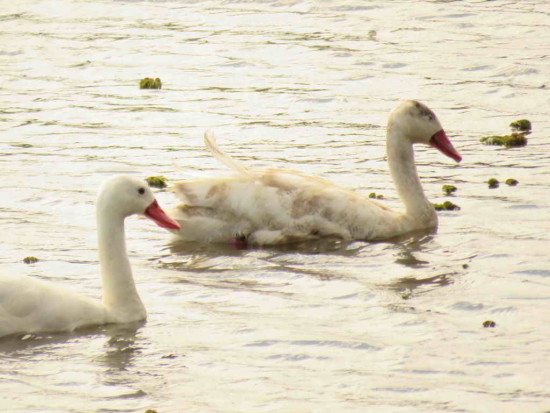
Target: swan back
pixel 31 305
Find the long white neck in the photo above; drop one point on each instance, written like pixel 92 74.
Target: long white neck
pixel 120 296
pixel 405 177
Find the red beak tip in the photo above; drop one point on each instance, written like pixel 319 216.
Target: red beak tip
pixel 157 214
pixel 174 225
pixel 444 145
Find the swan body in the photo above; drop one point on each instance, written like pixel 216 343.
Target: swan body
pixel 28 305
pixel 276 206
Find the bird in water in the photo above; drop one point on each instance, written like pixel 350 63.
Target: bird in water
pixel 29 305
pixel 277 206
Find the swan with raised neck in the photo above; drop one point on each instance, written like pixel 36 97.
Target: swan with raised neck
pixel 28 305
pixel 276 206
pixel 410 123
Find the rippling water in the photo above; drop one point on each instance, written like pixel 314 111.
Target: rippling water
pixel 324 326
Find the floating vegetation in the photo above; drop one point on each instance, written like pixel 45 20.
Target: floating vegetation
pixel 511 182
pixel 489 324
pixel 517 138
pixel 375 195
pixel 449 189
pixel 406 294
pixel 446 206
pixel 522 125
pixel 513 140
pixel 157 181
pixel 493 183
pixel 30 260
pixel 150 83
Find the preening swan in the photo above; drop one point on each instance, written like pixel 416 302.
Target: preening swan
pixel 28 305
pixel 276 206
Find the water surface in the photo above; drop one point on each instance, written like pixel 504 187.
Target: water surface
pixel 322 326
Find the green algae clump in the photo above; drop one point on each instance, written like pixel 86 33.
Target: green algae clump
pixel 30 260
pixel 406 294
pixel 446 206
pixel 157 181
pixel 489 324
pixel 511 182
pixel 449 189
pixel 150 83
pixel 374 195
pixel 513 140
pixel 523 125
pixel 493 183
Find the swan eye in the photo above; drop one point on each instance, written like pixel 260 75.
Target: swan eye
pixel 141 191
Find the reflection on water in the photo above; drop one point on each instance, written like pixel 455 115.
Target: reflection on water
pixel 23 342
pixel 317 326
pixel 121 348
pixel 441 280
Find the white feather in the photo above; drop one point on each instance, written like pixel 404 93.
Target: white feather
pixel 278 206
pixel 30 305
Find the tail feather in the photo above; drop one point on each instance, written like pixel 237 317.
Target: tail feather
pixel 210 142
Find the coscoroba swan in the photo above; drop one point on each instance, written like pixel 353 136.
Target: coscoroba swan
pixel 278 206
pixel 28 305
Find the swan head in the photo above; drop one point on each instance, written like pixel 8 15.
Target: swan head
pixel 122 196
pixel 416 122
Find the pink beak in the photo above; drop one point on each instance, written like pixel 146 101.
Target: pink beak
pixel 441 142
pixel 157 214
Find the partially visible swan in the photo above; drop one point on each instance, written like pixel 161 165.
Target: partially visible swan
pixel 276 206
pixel 28 305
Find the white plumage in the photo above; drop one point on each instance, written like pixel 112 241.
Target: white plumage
pixel 276 206
pixel 29 305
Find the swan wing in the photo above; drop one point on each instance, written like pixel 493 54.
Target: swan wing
pixel 272 206
pixel 30 305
